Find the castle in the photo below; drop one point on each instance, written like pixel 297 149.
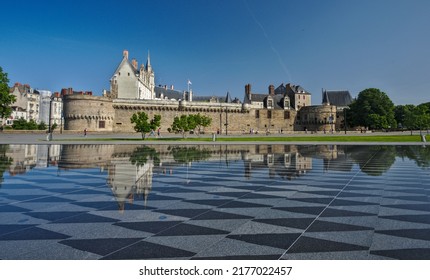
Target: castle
pixel 284 109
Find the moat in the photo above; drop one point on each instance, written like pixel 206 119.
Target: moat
pixel 214 202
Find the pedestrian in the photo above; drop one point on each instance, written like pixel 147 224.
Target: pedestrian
pixel 85 132
pixel 158 132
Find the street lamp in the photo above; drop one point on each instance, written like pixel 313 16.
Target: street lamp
pixel 49 137
pixel 226 121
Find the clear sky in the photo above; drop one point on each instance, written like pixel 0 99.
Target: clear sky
pixel 224 44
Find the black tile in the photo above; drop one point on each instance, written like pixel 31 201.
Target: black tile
pixel 152 227
pixel 410 197
pixel 300 223
pixel 51 199
pixel 424 219
pixel 111 205
pixel 12 208
pixel 412 191
pixel 332 212
pixel 189 213
pixel 229 194
pixel 323 226
pixel 319 200
pixel 90 191
pixel 354 194
pixel 283 240
pixel 146 250
pixel 4 229
pixel 326 193
pixel 314 245
pixel 241 204
pixel 344 202
pixel 312 210
pixel 53 216
pixel 216 215
pixel 422 234
pixel 210 202
pixel 240 257
pixel 71 217
pixel 186 229
pixel 256 195
pixel 33 233
pixel 416 207
pixel 405 254
pixel 100 246
pixel 153 196
pixel 180 190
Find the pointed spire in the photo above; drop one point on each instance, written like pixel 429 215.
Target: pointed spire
pixel 228 98
pixel 148 63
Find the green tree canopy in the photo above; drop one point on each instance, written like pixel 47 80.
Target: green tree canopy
pixel 183 124
pixel 400 112
pixel 142 123
pixel 202 122
pixel 6 99
pixel 373 109
pixel 417 118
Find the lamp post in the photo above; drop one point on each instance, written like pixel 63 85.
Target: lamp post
pixel 49 137
pixel 226 121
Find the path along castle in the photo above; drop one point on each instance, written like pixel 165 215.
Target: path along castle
pixel 284 109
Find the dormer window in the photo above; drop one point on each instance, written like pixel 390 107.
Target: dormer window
pixel 269 103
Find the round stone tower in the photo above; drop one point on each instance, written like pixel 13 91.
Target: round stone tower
pixel 94 113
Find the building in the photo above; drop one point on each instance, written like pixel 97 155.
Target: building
pixel 132 89
pixel 341 99
pixel 26 105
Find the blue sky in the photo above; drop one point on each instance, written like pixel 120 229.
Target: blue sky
pixel 223 45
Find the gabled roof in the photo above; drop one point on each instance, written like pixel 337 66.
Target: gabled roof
pixel 125 61
pixel 337 97
pixel 257 97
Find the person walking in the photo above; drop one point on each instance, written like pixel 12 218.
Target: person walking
pixel 85 132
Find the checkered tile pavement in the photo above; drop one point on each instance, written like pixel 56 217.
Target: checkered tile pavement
pixel 340 209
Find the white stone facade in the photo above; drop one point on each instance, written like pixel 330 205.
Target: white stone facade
pixel 131 82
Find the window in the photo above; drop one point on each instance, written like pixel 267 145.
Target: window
pixel 269 114
pixel 269 103
pixel 102 124
pixel 286 115
pixel 257 114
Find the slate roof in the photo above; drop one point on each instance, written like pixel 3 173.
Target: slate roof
pixel 169 93
pixel 340 98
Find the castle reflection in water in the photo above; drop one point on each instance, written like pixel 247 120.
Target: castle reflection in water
pixel 130 168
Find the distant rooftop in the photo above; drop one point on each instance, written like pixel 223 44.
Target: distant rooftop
pixel 339 98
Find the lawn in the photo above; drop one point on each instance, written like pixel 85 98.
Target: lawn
pixel 307 138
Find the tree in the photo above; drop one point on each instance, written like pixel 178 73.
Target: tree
pixel 6 99
pixel 373 109
pixel 140 156
pixel 418 118
pixel 183 124
pixel 202 122
pixel 400 112
pixel 142 123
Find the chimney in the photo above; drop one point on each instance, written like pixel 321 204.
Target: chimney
pixel 272 90
pixel 248 91
pixel 134 63
pixel 125 54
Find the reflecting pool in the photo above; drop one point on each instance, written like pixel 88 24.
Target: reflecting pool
pixel 214 202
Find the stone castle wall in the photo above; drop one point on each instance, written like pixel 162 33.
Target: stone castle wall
pixel 316 118
pixel 85 111
pixel 104 114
